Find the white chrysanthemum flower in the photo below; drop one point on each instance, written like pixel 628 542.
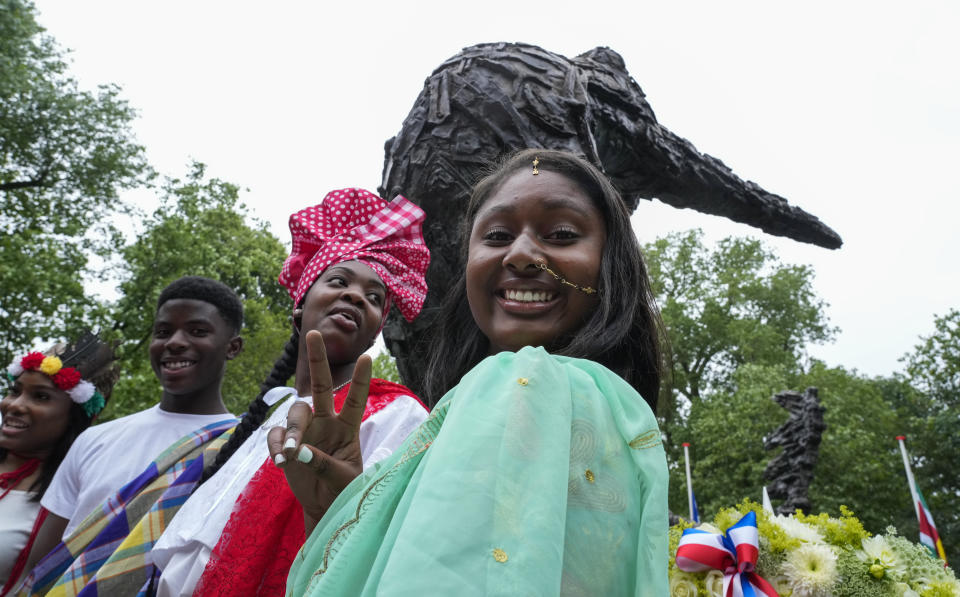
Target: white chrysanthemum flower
pixel 812 570
pixel 682 587
pixel 902 589
pixel 954 585
pixel 877 551
pixel 946 585
pixel 706 526
pixel 798 530
pixel 714 583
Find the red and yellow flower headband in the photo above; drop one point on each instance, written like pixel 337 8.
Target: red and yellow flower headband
pixel 67 379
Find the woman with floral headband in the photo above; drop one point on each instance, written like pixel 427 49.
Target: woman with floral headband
pixel 540 471
pixel 354 257
pixel 52 397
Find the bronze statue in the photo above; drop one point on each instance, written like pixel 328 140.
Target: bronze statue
pixel 491 99
pixel 791 471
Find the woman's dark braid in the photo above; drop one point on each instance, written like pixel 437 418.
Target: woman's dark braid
pixel 283 368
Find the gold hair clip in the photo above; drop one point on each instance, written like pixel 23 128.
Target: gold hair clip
pixel 536 162
pixel 541 264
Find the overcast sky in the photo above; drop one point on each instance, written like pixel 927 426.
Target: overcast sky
pixel 850 110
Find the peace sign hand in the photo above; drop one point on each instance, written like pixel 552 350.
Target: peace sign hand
pixel 319 451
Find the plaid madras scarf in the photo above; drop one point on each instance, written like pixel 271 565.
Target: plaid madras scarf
pixel 107 554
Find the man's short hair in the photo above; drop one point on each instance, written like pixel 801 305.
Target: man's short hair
pixel 216 293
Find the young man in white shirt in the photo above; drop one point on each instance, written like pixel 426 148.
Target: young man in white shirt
pixel 195 332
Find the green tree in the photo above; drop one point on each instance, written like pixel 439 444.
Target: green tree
pixel 931 422
pixel 65 154
pixel 730 306
pixel 385 367
pixel 202 229
pixel 934 364
pixel 859 464
pixel 726 435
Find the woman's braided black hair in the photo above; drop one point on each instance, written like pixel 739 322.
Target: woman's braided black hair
pixel 283 369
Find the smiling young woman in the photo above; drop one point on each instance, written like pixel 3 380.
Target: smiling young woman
pixel 52 397
pixel 531 220
pixel 540 470
pixel 569 207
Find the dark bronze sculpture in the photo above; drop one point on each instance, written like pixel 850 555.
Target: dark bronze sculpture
pixel 791 471
pixel 491 99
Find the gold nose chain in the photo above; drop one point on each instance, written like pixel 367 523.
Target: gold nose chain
pixel 541 264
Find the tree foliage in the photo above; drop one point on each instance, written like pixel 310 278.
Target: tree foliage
pixel 65 154
pixel 200 229
pixel 934 364
pixel 739 322
pixel 730 306
pixel 385 367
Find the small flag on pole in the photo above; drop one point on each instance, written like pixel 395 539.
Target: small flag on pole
pixel 696 511
pixel 692 499
pixel 928 531
pixel 766 501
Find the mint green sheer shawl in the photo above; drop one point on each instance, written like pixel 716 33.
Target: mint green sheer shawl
pixel 536 475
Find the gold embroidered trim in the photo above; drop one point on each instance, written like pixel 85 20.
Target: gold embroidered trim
pixel 500 555
pixel 426 433
pixel 647 439
pixel 523 381
pixel 588 474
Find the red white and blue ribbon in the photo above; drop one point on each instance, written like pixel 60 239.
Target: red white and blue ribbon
pixel 734 553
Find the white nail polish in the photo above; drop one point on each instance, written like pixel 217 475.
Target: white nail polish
pixel 290 444
pixel 279 459
pixel 304 455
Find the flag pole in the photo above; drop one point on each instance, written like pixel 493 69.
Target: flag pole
pixel 686 460
pixel 928 530
pixel 901 439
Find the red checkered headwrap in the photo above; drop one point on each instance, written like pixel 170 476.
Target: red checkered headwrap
pixel 354 224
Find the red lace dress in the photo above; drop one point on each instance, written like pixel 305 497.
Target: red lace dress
pixel 265 530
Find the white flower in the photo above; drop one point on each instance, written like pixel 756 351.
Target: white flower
pixel 706 526
pixel 798 530
pixel 903 590
pixel 811 570
pixel 877 551
pixel 14 368
pixel 682 586
pixel 714 583
pixel 82 392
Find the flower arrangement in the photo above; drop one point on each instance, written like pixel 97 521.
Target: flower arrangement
pixel 801 556
pixel 67 379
